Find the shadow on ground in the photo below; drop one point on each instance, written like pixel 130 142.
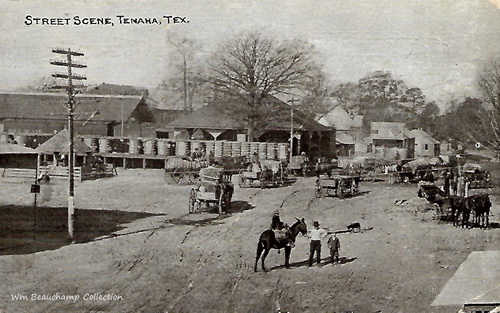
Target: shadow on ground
pixel 24 230
pixel 211 216
pixel 346 196
pixel 324 261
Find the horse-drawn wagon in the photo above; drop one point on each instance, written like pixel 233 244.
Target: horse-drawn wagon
pixel 182 171
pixel 440 201
pixel 478 177
pixel 340 186
pixel 265 173
pixel 214 190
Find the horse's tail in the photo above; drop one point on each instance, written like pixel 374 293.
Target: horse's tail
pixel 262 243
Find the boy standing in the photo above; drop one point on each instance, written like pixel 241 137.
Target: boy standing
pixel 334 244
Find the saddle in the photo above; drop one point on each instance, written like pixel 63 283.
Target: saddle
pixel 283 235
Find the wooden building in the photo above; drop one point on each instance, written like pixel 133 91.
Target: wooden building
pixel 44 113
pixel 228 120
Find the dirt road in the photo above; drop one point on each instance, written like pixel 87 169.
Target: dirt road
pixel 176 262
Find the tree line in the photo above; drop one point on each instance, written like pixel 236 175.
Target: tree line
pixel 253 67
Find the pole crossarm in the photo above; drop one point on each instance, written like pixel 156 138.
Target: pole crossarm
pixel 61 75
pixel 62 63
pixel 71 103
pixel 67 51
pixel 79 86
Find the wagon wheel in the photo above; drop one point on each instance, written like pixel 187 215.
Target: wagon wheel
pixel 169 178
pixel 192 201
pixel 318 192
pixel 341 192
pixel 241 180
pixel 177 176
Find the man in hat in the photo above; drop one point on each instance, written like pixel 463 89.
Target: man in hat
pixel 316 235
pixel 276 222
pixel 280 229
pixel 196 155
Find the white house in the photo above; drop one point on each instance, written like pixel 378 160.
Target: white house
pixel 425 144
pixel 348 128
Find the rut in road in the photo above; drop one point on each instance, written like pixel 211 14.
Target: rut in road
pixel 293 193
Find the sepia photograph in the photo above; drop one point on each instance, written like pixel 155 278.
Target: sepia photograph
pixel 267 156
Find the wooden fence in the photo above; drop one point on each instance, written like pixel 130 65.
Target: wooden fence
pixel 59 172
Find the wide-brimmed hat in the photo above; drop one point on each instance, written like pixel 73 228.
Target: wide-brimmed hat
pixel 316 224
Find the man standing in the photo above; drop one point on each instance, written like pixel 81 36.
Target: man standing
pixel 316 235
pixel 446 185
pixel 461 186
pixel 334 244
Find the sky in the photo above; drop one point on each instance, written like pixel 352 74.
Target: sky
pixel 436 45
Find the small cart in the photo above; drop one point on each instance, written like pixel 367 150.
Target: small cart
pixel 339 186
pixel 266 173
pixel 213 191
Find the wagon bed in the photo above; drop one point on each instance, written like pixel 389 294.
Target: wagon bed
pixel 339 186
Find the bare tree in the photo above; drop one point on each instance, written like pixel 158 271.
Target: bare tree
pixel 253 66
pixel 316 94
pixel 186 78
pixel 489 84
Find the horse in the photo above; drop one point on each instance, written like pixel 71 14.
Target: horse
pixel 268 241
pixel 480 205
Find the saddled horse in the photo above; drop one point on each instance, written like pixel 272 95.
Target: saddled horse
pixel 268 241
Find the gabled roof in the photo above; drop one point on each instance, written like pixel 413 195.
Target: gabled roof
pixel 9 148
pixel 165 116
pixel 419 133
pixel 230 114
pixel 208 117
pixel 388 131
pixel 112 89
pixel 60 143
pixel 341 120
pixel 344 139
pixel 51 106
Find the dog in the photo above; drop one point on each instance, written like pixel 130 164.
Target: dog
pixel 354 227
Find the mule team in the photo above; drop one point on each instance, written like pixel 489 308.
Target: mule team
pixel 461 208
pixel 280 236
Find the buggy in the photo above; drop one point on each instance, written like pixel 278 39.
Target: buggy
pixel 214 190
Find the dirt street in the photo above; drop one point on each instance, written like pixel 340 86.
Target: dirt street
pixel 176 262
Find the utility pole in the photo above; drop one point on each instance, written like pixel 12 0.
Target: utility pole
pixel 292 101
pixel 71 91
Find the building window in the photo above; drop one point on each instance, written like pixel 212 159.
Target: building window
pixel 426 147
